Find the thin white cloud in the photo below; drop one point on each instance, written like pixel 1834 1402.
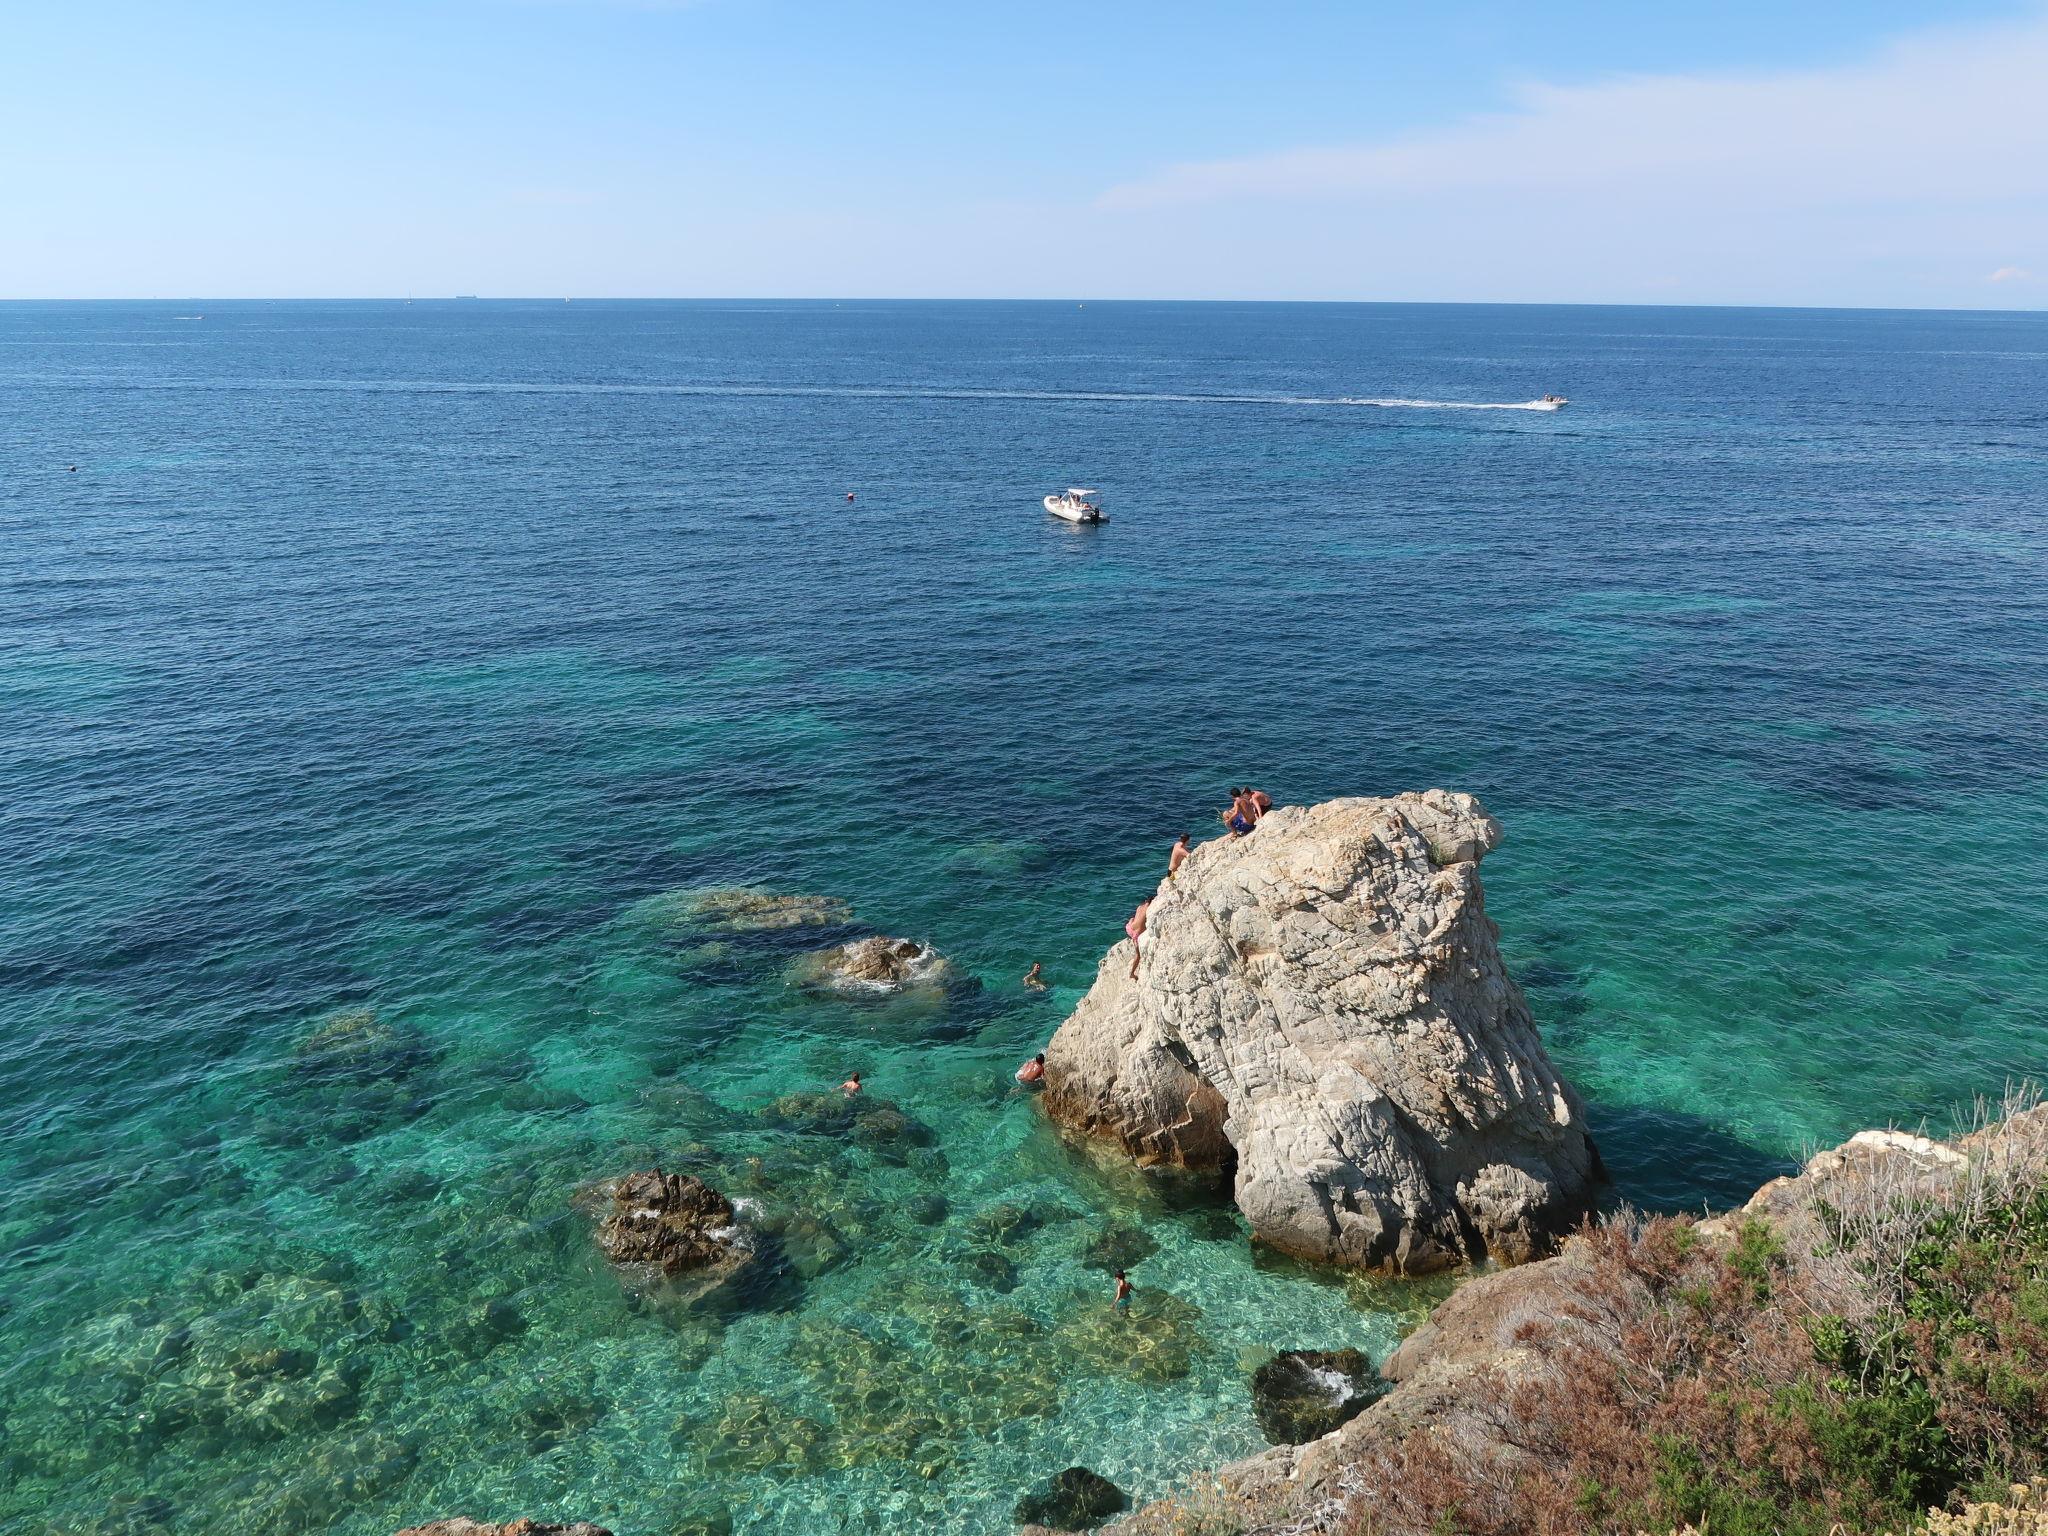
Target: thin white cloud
pixel 2009 275
pixel 1941 117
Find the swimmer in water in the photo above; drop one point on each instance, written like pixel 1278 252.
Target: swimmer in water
pixel 1032 1071
pixel 1035 977
pixel 851 1086
pixel 1123 1290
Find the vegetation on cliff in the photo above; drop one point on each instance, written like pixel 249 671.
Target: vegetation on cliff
pixel 1843 1360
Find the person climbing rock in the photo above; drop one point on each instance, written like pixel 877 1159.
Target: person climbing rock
pixel 1136 929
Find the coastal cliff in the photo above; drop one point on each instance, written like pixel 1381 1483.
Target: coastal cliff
pixel 1856 1346
pixel 1322 1008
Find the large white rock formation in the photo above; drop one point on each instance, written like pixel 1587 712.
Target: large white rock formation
pixel 1322 1006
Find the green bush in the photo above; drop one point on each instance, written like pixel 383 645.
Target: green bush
pixel 1741 1389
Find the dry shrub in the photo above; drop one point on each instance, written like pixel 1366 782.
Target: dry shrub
pixel 1895 1358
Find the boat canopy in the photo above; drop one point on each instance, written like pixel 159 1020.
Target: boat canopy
pixel 1077 491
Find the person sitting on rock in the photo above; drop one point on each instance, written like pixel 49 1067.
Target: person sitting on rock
pixel 1035 977
pixel 1032 1071
pixel 1136 929
pixel 1261 802
pixel 1177 855
pixel 1243 815
pixel 851 1086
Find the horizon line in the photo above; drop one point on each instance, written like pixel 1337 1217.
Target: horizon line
pixel 1078 300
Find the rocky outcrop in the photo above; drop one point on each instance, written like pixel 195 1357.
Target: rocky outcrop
pixel 462 1525
pixel 1452 1375
pixel 878 966
pixel 1322 1008
pixel 669 1225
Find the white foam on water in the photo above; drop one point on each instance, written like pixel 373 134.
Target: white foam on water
pixel 1340 1387
pixel 1460 405
pixel 842 392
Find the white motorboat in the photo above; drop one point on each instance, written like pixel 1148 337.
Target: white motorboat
pixel 1551 403
pixel 1076 506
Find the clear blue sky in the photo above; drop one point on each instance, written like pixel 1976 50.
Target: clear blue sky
pixel 1739 151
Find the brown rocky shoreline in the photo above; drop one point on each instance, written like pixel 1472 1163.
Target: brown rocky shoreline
pixel 1452 1376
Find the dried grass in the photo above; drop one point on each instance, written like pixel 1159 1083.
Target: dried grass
pixel 1830 1373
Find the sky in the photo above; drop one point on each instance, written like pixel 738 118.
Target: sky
pixel 1822 152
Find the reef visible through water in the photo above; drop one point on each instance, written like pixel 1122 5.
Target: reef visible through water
pixel 390 685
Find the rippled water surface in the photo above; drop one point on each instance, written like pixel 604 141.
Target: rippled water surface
pixel 381 668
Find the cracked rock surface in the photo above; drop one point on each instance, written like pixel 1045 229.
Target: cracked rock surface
pixel 1322 1008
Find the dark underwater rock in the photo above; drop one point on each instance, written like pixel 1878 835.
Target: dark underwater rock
pixel 1118 1247
pixel 1302 1394
pixel 1076 1500
pixel 813 1244
pixel 866 1121
pixel 742 909
pixel 355 1046
pixel 986 1266
pixel 1011 1221
pixel 1154 1340
pixel 462 1525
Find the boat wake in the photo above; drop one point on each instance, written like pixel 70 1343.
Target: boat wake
pixel 1462 405
pixel 852 392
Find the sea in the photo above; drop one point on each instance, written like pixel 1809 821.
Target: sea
pixel 383 685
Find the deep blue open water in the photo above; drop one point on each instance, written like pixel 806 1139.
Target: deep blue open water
pixel 394 664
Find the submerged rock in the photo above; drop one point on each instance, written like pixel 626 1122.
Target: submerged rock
pixel 751 1433
pixel 742 909
pixel 1153 1340
pixel 1118 1247
pixel 878 966
pixel 355 1045
pixel 672 1224
pixel 462 1525
pixel 863 1119
pixel 1076 1500
pixel 1302 1394
pixel 1322 1008
pixel 1011 1221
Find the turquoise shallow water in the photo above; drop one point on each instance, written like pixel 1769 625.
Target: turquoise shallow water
pixel 400 659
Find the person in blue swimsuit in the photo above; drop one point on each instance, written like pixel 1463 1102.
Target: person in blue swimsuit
pixel 1244 812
